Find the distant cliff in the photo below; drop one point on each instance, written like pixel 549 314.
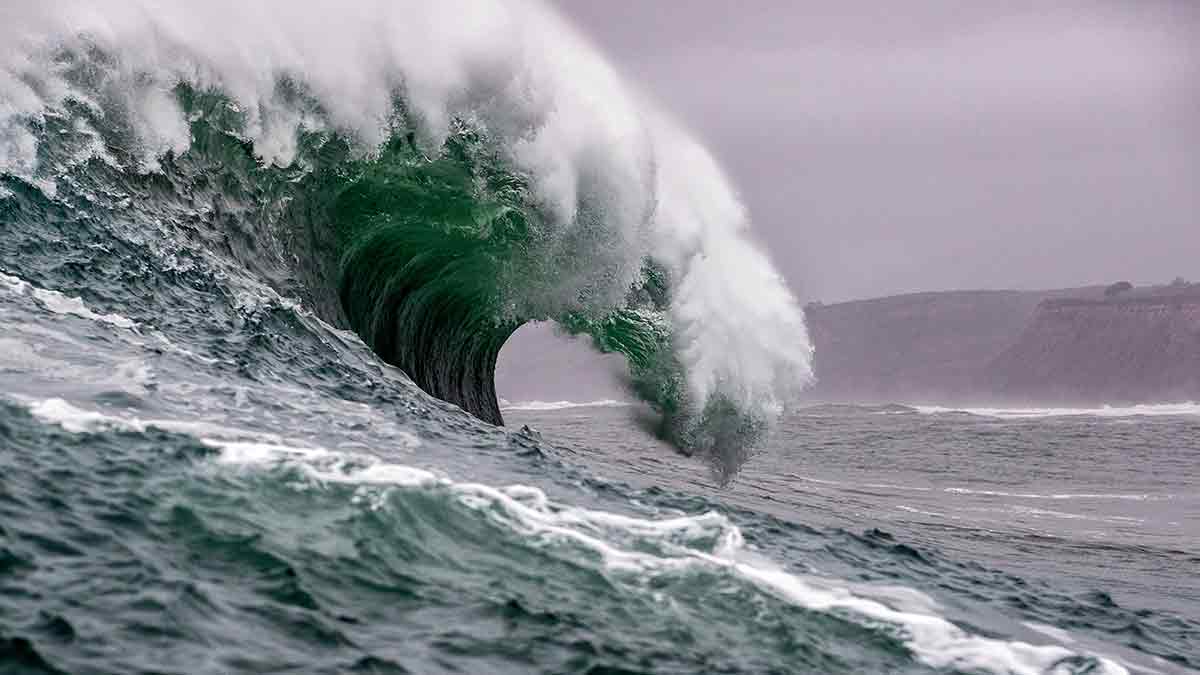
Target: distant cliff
pixel 1071 345
pixel 1126 350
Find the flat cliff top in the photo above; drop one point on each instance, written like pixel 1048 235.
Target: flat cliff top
pixel 1077 344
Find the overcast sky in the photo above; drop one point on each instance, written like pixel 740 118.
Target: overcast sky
pixel 948 144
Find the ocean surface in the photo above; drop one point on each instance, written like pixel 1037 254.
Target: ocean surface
pixel 259 493
pixel 227 232
pixel 1081 525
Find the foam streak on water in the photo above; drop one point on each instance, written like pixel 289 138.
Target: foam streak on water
pixel 1142 410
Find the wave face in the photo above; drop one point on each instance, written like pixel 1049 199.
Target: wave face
pixel 431 175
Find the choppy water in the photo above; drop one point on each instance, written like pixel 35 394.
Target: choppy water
pixel 1102 501
pixel 249 490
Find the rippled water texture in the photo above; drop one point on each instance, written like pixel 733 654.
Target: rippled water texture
pixel 271 497
pixel 220 253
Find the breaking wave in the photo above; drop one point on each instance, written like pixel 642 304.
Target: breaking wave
pixel 430 175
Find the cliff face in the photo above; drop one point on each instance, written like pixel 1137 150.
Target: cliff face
pixel 925 345
pixel 1133 350
pixel 1059 346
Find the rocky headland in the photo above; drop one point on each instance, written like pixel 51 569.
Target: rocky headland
pixel 1091 345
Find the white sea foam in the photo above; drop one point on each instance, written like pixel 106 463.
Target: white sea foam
pixel 1032 512
pixel 1057 495
pixel 856 485
pixel 931 638
pixel 1145 410
pixel 321 464
pixel 562 405
pixel 79 420
pixel 515 68
pixel 75 419
pixel 59 303
pixel 1058 634
pixel 981 492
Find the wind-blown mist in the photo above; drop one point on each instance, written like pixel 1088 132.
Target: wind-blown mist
pixel 436 175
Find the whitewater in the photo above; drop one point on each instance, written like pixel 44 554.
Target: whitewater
pixel 257 264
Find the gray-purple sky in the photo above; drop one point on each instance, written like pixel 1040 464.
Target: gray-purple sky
pixel 885 147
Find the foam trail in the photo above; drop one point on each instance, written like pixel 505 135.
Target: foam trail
pixel 1142 410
